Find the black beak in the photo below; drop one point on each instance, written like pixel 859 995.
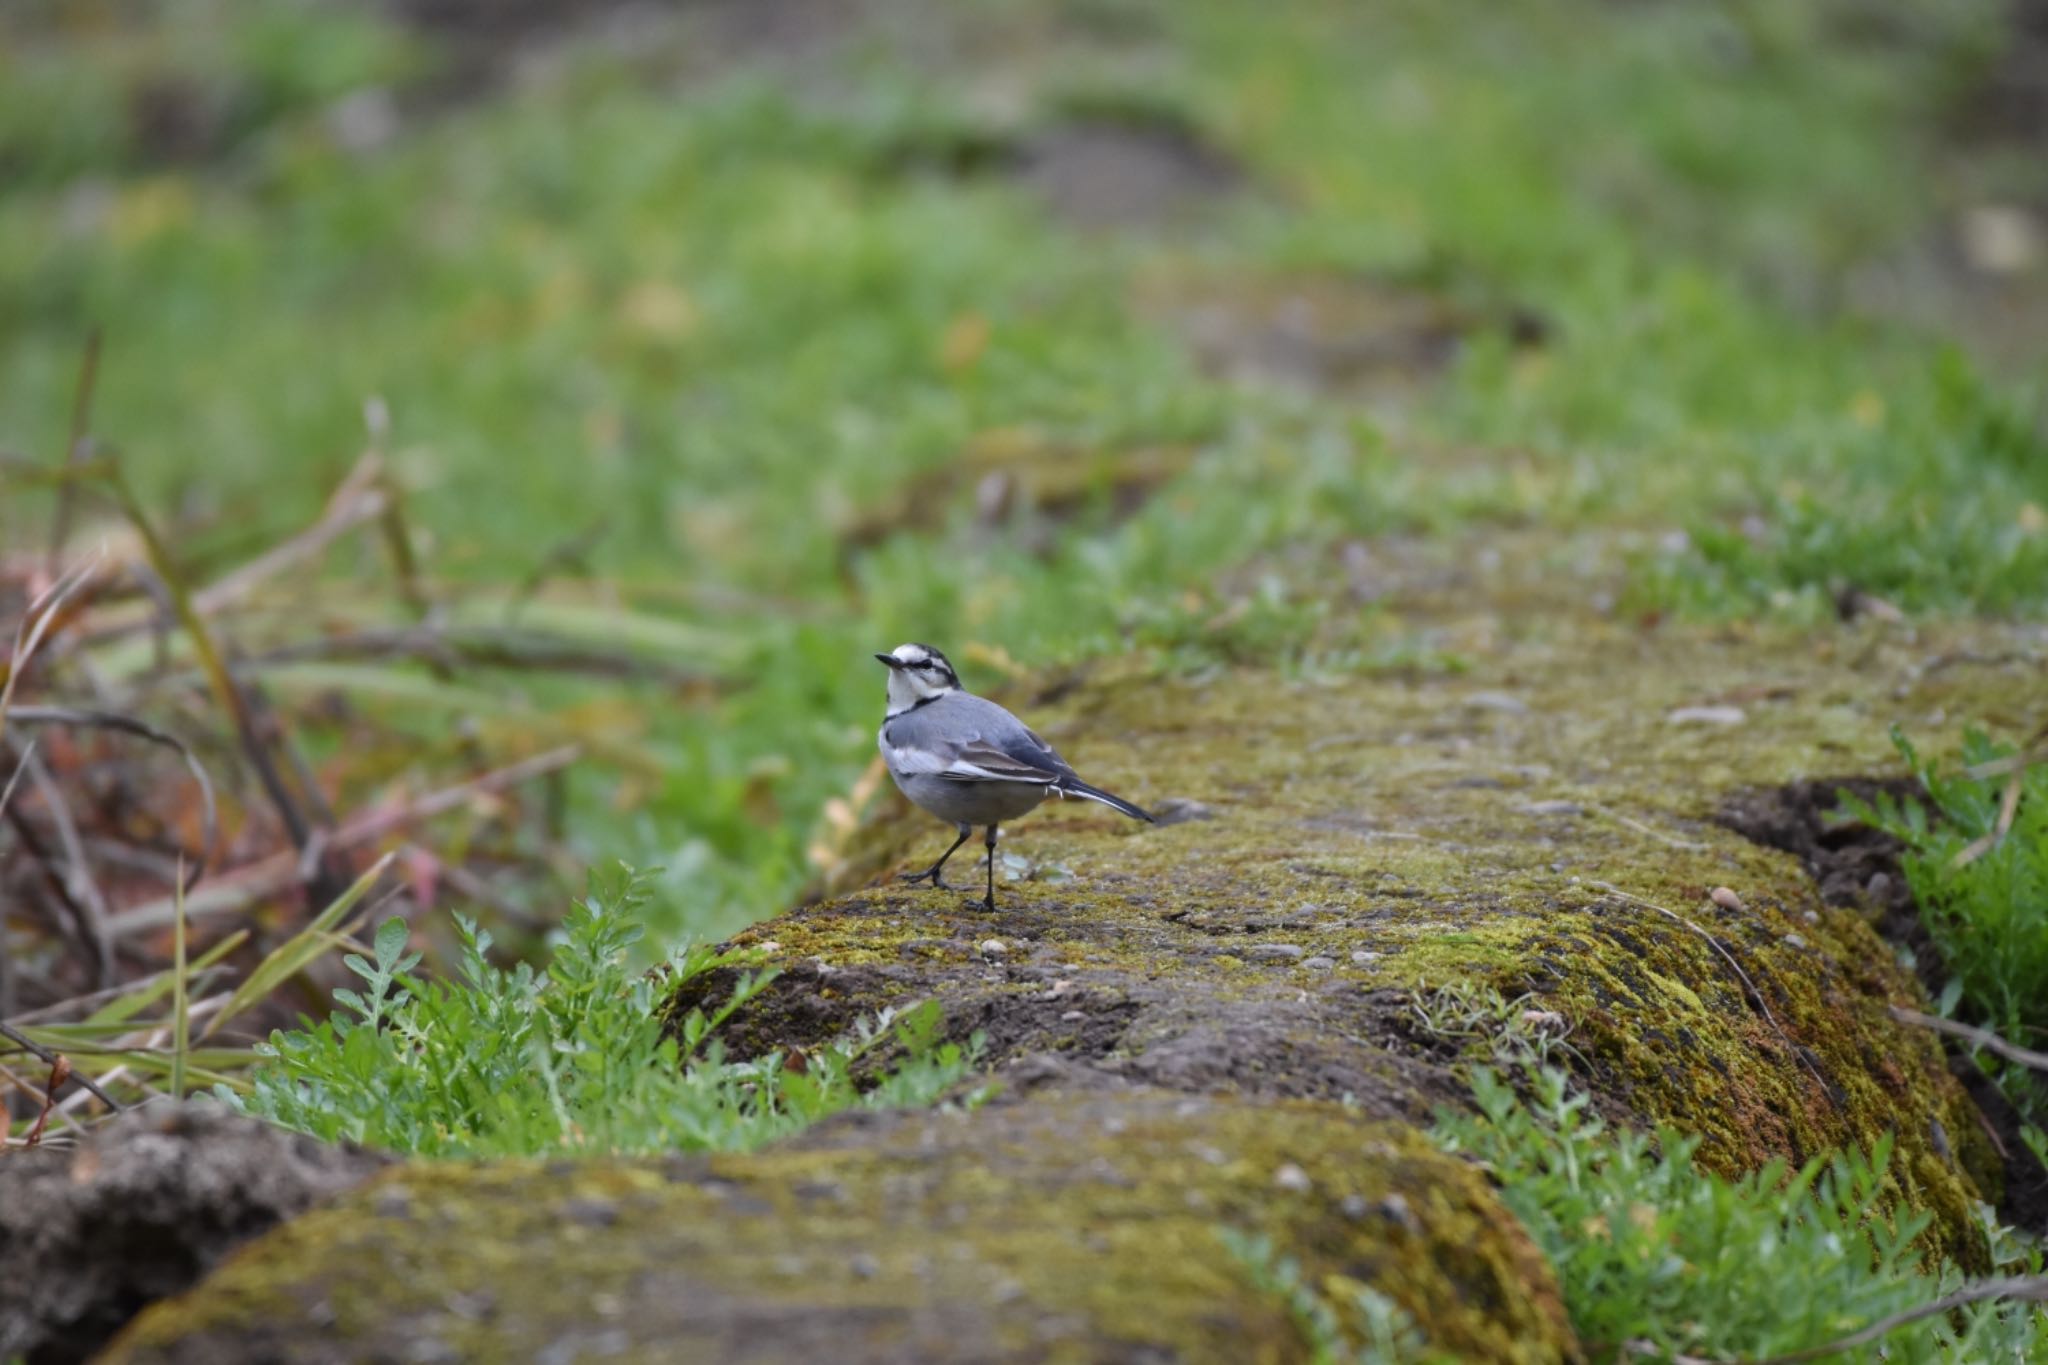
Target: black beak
pixel 891 660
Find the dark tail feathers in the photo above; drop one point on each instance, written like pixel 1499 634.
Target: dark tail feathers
pixel 1074 786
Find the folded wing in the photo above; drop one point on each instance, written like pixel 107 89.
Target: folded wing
pixel 1025 759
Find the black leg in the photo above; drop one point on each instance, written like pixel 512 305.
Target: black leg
pixel 990 903
pixel 931 873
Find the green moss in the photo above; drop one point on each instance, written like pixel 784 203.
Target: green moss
pixel 1062 1228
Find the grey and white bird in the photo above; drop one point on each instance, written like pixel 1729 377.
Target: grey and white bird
pixel 967 760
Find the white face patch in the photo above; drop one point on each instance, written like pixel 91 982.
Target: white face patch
pixel 922 676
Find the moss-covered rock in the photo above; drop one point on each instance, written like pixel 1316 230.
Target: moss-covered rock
pixel 1549 824
pixel 1054 1225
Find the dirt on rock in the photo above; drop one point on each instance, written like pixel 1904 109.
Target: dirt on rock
pixel 1854 865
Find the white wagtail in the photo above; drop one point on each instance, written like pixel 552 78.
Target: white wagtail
pixel 967 760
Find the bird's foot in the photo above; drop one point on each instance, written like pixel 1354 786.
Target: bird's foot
pixel 930 874
pixel 986 904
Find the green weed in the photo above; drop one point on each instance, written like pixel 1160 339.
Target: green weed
pixel 1659 1259
pixel 1982 891
pixel 570 1058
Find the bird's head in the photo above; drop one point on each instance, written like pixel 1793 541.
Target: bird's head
pixel 917 673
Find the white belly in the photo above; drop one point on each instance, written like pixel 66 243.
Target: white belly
pixel 970 803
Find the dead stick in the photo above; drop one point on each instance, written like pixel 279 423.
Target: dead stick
pixel 84 893
pixel 280 870
pixel 354 503
pixel 23 1041
pixel 128 725
pixel 45 1099
pixel 1983 1038
pixel 2020 1289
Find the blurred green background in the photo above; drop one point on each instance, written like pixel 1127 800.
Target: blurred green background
pixel 794 329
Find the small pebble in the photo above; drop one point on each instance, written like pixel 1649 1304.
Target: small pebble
pixel 472 1307
pixel 591 1213
pixel 1706 715
pixel 1553 808
pixel 1292 1177
pixel 1543 1019
pixel 1320 964
pixel 1726 898
pixel 1793 941
pixel 1498 701
pixel 1354 1206
pixel 1071 1015
pixel 1178 810
pixel 1365 959
pixel 1811 917
pixel 1274 952
pixel 993 947
pixel 864 1266
pixel 1395 1208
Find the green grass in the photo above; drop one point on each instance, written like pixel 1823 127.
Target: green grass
pixel 570 1058
pixel 1658 1259
pixel 1982 889
pixel 718 319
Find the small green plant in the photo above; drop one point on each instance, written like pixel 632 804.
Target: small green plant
pixel 570 1058
pixel 1482 1023
pixel 1658 1259
pixel 1375 1332
pixel 1979 871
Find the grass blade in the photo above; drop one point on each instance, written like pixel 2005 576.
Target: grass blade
pixel 181 1016
pixel 292 956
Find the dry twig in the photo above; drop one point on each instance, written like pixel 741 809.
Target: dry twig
pixel 2018 1289
pixel 28 1044
pixel 81 892
pixel 1983 1038
pixel 281 871
pixel 128 725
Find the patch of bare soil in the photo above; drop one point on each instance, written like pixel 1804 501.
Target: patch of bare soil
pixel 1021 484
pixel 1853 864
pixel 1125 173
pixel 1348 335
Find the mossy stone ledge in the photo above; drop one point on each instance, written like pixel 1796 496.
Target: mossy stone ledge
pixel 1061 1226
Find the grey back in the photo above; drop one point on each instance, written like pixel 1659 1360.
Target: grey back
pixel 961 720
